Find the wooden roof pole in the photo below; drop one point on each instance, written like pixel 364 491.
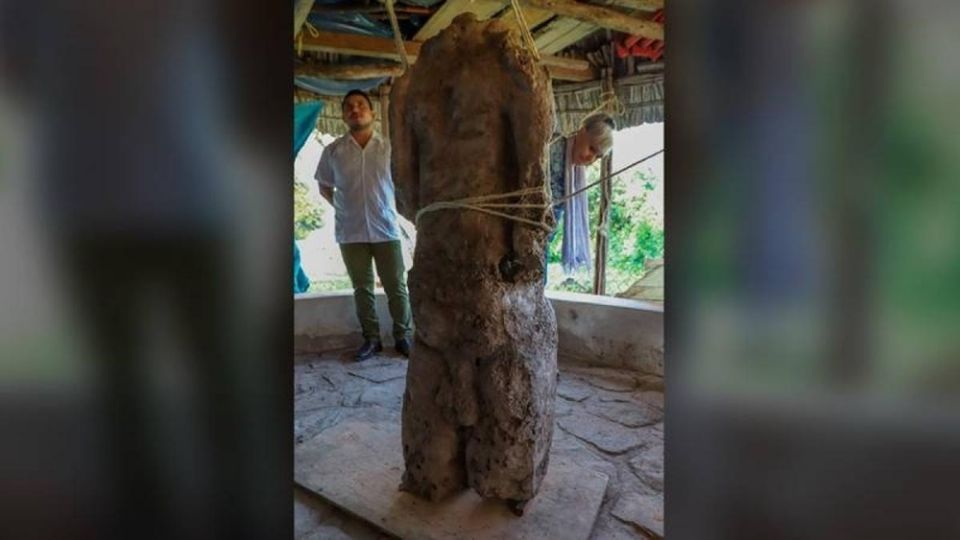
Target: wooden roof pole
pixel 606 194
pixel 350 72
pixel 570 69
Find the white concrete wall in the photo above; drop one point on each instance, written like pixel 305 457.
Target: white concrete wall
pixel 598 330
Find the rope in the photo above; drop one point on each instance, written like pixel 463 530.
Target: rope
pixel 480 204
pixel 525 29
pixel 313 32
pixel 397 37
pixel 611 175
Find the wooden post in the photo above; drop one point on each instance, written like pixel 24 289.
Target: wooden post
pixel 603 225
pixel 385 111
pixel 600 268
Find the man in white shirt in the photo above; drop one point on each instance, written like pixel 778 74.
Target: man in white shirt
pixel 354 176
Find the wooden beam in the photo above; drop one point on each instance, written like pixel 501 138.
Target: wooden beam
pixel 561 62
pixel 301 8
pixel 350 8
pixel 568 74
pixel 568 69
pixel 355 44
pixel 601 16
pixel 483 9
pixel 603 230
pixel 606 195
pixel 348 71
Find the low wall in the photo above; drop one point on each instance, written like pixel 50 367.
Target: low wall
pixel 596 330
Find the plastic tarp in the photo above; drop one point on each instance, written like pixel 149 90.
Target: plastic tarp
pixel 335 87
pixel 301 282
pixel 304 119
pixel 350 23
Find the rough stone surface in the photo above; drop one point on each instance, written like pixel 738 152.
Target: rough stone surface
pixel 629 414
pixel 314 518
pixel 608 436
pixel 473 117
pixel 371 453
pixel 638 470
pixel 645 512
pixel 648 466
pixel 574 389
pixel 380 373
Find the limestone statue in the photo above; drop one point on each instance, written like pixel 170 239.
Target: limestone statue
pixel 473 116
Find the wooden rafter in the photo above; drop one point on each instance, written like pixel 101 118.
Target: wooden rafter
pixel 601 16
pixel 350 72
pixel 358 45
pixel 569 69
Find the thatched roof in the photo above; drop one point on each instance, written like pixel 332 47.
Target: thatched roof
pixel 640 98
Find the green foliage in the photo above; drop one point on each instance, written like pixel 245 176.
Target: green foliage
pixel 307 215
pixel 331 284
pixel 633 237
pixel 553 250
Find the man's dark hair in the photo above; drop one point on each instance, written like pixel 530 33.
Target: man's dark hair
pixel 356 92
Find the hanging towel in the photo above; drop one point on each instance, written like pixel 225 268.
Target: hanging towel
pixel 576 223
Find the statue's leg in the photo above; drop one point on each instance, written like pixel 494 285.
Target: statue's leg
pixel 506 454
pixel 432 439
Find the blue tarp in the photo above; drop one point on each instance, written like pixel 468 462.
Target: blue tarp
pixel 300 280
pixel 304 119
pixel 334 87
pixel 350 23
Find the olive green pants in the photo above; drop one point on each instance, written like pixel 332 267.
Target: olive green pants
pixel 359 259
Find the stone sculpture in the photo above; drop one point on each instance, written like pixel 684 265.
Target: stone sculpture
pixel 473 117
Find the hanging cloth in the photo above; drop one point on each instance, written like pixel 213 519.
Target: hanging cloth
pixel 576 223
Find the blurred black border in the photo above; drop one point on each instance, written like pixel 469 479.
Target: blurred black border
pixel 175 118
pixel 802 145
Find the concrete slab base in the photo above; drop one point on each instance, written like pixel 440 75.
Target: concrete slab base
pixel 357 466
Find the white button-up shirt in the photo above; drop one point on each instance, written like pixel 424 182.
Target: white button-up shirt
pixel 363 197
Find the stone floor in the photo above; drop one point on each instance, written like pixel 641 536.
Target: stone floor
pixel 607 420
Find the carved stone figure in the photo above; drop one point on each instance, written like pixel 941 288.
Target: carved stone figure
pixel 473 117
